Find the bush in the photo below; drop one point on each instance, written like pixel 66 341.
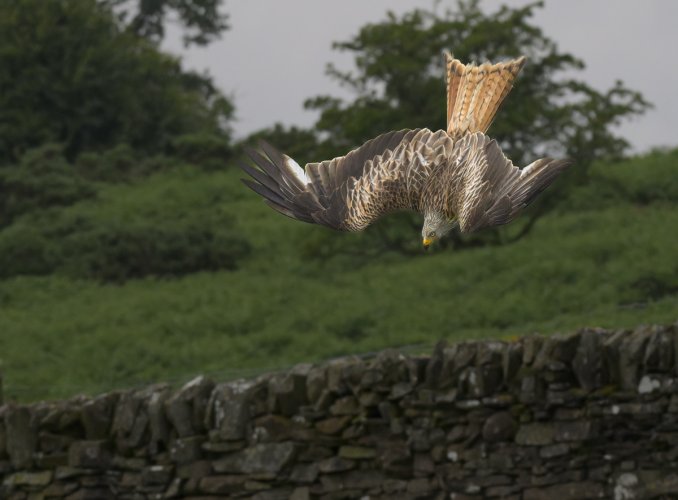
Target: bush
pixel 120 164
pixel 43 178
pixel 24 250
pixel 206 150
pixel 641 180
pixel 119 252
pixel 87 247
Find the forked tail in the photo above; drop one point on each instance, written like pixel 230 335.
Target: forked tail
pixel 474 93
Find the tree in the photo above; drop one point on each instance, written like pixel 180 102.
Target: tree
pixel 71 73
pixel 398 83
pixel 201 20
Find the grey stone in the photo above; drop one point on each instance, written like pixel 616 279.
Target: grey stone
pixel 335 464
pixel 301 493
pixel 21 436
pixel 499 427
pixel 287 392
pixel 95 493
pixel 570 491
pixel 659 351
pixel 347 405
pixel 186 450
pixel 174 489
pixel 304 473
pixel 157 419
pixel 423 464
pixel 658 483
pixel 222 484
pixel 587 364
pixel 128 463
pixel 157 475
pixel 223 446
pixel 575 431
pixel 130 419
pixel 355 479
pixel 536 434
pixel 531 345
pixel 59 489
pixel 194 470
pixel 42 478
pixel 97 415
pixel 3 433
pixel 420 487
pixel 401 389
pixel 89 454
pixel 186 409
pixel 434 367
pixel 336 371
pixel 260 458
pixel 230 408
pixel 631 354
pixel 315 452
pixel 274 494
pixel 333 425
pixel 316 381
pixel 357 452
pixel 67 472
pixel 49 442
pixel 278 428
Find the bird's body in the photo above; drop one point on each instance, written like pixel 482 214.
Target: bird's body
pixel 453 176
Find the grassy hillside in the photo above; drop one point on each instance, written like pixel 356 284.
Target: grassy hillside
pixel 610 260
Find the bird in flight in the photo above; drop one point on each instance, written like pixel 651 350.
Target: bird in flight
pixel 458 176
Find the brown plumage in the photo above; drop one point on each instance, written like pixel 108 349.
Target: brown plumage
pixel 457 175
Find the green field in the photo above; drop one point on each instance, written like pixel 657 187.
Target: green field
pixel 608 257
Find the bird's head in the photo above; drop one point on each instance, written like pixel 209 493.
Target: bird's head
pixel 436 225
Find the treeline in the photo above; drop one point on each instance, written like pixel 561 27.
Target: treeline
pixel 89 100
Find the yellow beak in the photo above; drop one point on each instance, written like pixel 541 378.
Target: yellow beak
pixel 427 242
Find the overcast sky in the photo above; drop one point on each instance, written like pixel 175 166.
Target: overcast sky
pixel 275 53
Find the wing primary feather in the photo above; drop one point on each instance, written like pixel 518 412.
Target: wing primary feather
pixel 264 191
pixel 259 176
pixel 265 164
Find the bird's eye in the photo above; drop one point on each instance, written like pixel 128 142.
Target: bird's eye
pixel 432 234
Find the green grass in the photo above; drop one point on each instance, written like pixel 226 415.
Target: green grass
pixel 613 262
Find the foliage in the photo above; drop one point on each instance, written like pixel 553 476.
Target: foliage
pixel 201 19
pixel 70 73
pixel 606 261
pixel 43 178
pixel 120 252
pixel 206 150
pixel 116 242
pixel 120 164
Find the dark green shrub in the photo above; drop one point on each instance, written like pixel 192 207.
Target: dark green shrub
pixel 43 178
pixel 119 252
pixel 209 151
pixel 24 250
pixel 120 164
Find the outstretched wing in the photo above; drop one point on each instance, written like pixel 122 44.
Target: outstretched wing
pixel 350 192
pixel 485 188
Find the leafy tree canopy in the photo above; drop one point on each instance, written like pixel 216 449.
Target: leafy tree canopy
pixel 201 20
pixel 71 73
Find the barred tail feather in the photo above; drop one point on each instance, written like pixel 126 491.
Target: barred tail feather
pixel 474 93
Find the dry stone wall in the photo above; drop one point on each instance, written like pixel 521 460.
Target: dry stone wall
pixel 593 414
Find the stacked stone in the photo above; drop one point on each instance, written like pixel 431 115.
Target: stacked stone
pixel 592 414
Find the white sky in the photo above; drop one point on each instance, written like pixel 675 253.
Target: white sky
pixel 275 53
